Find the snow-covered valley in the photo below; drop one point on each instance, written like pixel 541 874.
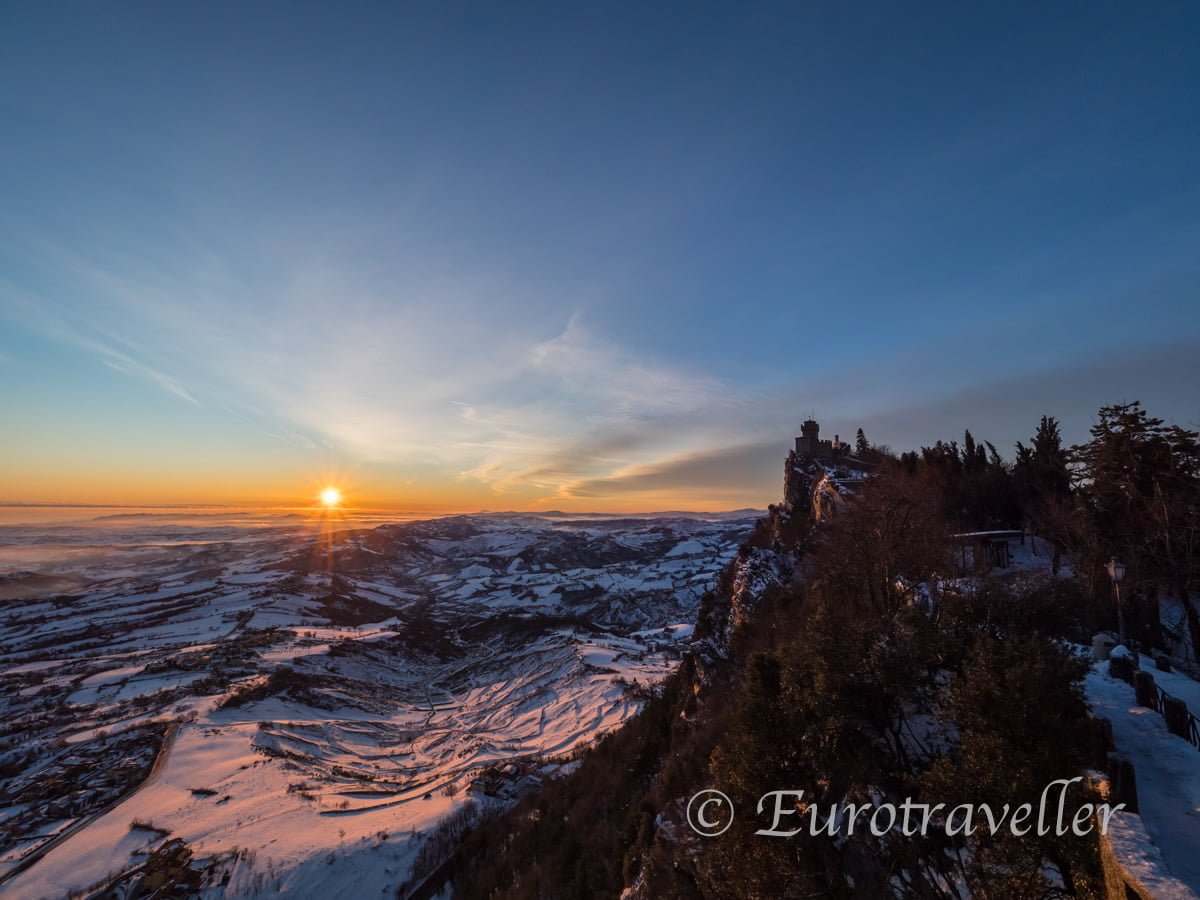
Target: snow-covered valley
pixel 295 704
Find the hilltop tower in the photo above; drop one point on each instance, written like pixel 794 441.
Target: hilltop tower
pixel 810 445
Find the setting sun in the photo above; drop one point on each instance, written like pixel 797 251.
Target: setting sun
pixel 331 496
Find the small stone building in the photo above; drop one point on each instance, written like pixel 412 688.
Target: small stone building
pixel 982 551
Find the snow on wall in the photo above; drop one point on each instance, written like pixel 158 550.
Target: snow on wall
pixel 1157 849
pixel 1132 862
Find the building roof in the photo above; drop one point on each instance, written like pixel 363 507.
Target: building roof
pixel 1005 534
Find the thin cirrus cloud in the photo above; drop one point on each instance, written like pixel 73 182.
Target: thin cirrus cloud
pixel 507 410
pixel 722 474
pixel 331 364
pixel 592 408
pixel 122 362
pixel 71 328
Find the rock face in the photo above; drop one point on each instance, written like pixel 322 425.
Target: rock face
pixel 754 572
pixel 818 490
pixel 797 481
pixel 766 560
pixel 827 498
pixel 813 492
pixel 724 610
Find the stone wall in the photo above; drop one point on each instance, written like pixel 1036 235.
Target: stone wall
pixel 1133 865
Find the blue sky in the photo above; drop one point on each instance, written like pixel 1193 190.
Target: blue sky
pixel 599 257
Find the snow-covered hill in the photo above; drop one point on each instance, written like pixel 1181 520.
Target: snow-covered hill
pixel 298 704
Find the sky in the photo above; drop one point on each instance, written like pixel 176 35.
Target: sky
pixel 578 256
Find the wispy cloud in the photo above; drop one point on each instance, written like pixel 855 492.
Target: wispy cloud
pixel 125 364
pixel 64 324
pixel 598 409
pixel 427 379
pixel 737 471
pixel 590 367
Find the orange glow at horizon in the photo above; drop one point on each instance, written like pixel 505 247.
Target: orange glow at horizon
pixel 58 477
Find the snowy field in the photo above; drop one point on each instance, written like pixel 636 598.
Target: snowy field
pixel 298 703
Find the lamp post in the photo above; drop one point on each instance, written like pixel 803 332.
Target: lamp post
pixel 1116 571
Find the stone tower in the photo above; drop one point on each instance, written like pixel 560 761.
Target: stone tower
pixel 810 446
pixel 809 442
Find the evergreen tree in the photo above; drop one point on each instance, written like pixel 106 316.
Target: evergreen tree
pixel 1050 459
pixel 1043 480
pixel 1139 483
pixel 861 446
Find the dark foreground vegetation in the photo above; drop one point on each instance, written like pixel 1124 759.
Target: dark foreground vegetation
pixel 878 672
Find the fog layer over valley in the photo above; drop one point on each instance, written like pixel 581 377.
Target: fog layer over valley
pixel 287 704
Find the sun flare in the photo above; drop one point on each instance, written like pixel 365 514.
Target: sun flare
pixel 331 497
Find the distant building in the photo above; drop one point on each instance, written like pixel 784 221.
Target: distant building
pixel 982 551
pixel 821 474
pixel 809 444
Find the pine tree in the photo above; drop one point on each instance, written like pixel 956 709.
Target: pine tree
pixel 1050 459
pixel 1139 484
pixel 968 452
pixel 861 446
pixel 1043 480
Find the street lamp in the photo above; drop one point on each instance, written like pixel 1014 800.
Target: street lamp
pixel 1116 571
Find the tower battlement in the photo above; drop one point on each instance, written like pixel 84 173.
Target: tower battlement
pixel 809 443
